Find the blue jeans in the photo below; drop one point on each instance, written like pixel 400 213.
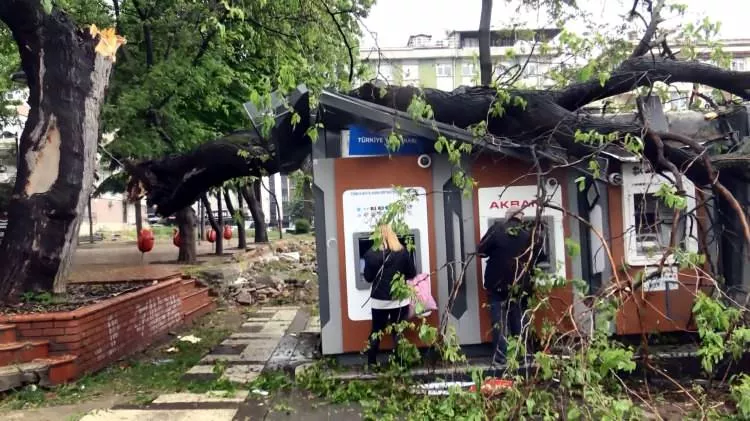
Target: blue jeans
pixel 506 316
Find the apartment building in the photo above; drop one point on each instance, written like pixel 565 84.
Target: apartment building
pixel 451 62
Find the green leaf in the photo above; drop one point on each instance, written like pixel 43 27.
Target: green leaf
pixel 47 6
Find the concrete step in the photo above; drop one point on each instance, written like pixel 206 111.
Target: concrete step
pixel 23 352
pixel 7 334
pixel 43 371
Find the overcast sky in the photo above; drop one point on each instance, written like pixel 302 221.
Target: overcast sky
pixel 394 20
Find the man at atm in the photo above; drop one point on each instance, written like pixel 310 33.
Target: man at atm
pixel 507 278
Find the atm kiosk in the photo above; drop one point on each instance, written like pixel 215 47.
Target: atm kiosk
pixel 353 179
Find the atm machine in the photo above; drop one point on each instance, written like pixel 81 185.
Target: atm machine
pixel 494 202
pixel 362 210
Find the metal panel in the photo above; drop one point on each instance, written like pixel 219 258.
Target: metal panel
pixel 327 256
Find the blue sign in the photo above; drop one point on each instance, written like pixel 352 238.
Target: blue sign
pixel 363 142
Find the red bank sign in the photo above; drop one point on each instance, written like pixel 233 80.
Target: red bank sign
pixel 507 204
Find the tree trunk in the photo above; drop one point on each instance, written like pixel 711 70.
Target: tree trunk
pixel 251 194
pixel 91 223
pixel 241 233
pixel 186 225
pixel 57 157
pixel 485 58
pixel 220 232
pixel 138 216
pixel 237 218
pixel 213 222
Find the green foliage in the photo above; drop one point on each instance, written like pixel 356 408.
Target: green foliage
pixel 741 396
pixel 187 85
pixel 671 197
pixel 302 226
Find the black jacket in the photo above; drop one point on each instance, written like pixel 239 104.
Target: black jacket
pixel 507 246
pixel 382 265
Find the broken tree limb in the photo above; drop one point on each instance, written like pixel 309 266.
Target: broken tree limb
pixel 177 181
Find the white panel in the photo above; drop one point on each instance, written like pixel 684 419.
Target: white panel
pixel 360 216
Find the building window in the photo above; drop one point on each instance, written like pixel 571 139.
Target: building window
pixel 649 222
pixel 470 42
pixel 738 64
pixel 532 69
pixel 410 72
pixel 444 70
pixel 468 69
pixel 384 72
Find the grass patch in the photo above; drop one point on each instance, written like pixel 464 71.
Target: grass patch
pixel 142 378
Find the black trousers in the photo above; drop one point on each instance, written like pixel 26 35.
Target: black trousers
pixel 381 319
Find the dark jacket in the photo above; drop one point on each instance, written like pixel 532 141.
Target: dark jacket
pixel 507 246
pixel 382 265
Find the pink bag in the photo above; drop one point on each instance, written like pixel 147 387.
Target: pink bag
pixel 422 286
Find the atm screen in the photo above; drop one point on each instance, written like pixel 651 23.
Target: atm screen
pixel 363 244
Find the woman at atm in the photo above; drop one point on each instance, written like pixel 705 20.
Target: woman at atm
pixel 382 265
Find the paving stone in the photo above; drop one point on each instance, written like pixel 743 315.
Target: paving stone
pixel 275 328
pixel 255 336
pixel 258 352
pixel 201 369
pixel 284 315
pixel 243 373
pixel 162 415
pixel 212 358
pixel 237 341
pixel 214 396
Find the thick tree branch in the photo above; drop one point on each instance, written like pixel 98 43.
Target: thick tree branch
pixel 645 70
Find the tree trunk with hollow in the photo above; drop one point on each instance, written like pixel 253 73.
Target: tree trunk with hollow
pixel 57 157
pixel 185 219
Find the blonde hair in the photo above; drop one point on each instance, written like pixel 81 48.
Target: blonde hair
pixel 390 239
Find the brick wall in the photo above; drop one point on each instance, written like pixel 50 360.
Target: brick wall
pixel 105 332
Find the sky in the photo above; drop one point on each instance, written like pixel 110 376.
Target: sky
pixel 392 21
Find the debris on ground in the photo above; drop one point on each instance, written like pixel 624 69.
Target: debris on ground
pixel 279 273
pixel 189 338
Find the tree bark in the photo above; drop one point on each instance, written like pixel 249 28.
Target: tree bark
pixel 220 217
pixel 251 194
pixel 138 216
pixel 57 157
pixel 186 226
pixel 91 223
pixel 237 217
pixel 485 58
pixel 212 221
pixel 242 234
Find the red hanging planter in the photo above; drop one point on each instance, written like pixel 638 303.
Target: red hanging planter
pixel 211 236
pixel 227 232
pixel 176 239
pixel 145 240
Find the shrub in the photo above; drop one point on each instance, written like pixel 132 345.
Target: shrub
pixel 302 226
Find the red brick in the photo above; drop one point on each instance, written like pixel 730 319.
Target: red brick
pixel 31 332
pixel 53 331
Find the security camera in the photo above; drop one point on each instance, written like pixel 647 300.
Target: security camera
pixel 615 178
pixel 424 161
pixel 552 183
